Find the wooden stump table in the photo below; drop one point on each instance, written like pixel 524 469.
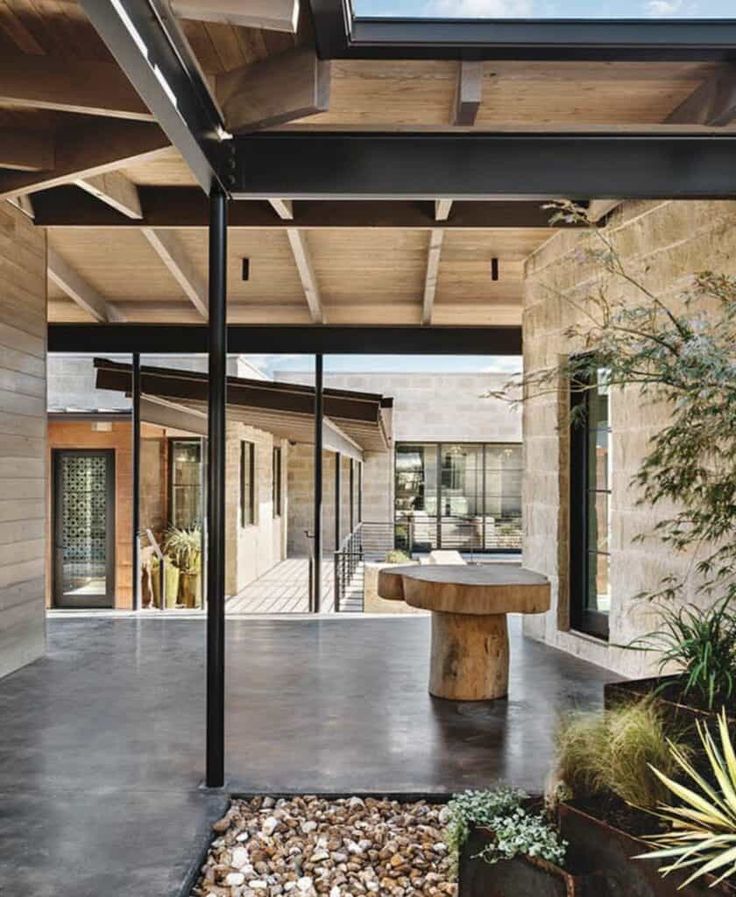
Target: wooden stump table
pixel 470 642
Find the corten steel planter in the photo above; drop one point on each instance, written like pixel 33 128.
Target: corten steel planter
pixel 679 711
pixel 612 850
pixel 520 877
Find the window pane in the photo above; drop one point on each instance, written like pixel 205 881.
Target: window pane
pixel 416 480
pixel 186 484
pixel 247 485
pixel 540 9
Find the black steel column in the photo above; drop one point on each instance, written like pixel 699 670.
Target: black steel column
pixel 318 420
pixel 136 487
pixel 338 510
pixel 216 491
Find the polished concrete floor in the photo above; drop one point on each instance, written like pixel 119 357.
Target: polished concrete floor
pixel 102 741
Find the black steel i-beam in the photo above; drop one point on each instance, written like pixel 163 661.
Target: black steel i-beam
pixel 318 481
pixel 136 464
pixel 215 548
pixel 479 166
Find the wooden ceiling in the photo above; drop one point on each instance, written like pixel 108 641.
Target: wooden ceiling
pixel 68 116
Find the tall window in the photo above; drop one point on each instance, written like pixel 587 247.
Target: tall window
pixel 590 508
pixel 276 482
pixel 247 483
pixel 186 483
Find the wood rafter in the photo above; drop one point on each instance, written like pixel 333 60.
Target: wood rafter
pixel 77 288
pixel 284 208
pixel 116 190
pixel 467 92
pixel 712 104
pixel 303 260
pixel 436 236
pixel 26 150
pixel 67 85
pixel 174 256
pixel 599 208
pixel 271 15
pixel 277 90
pixel 442 209
pixel 23 204
pixel 89 150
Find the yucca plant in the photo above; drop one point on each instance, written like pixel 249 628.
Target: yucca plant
pixel 184 547
pixel 702 834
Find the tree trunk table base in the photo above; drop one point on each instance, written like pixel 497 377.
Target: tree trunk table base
pixel 470 644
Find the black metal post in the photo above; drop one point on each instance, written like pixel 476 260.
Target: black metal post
pixel 318 420
pixel 215 777
pixel 136 487
pixel 338 508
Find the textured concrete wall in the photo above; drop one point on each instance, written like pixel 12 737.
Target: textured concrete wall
pixel 663 244
pixel 23 470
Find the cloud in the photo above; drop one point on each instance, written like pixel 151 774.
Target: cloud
pixel 658 8
pixel 484 9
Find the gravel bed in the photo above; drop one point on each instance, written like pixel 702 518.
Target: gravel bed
pixel 308 846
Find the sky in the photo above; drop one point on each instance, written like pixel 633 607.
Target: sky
pixel 549 9
pixel 393 363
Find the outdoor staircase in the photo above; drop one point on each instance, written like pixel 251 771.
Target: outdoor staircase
pixel 352 599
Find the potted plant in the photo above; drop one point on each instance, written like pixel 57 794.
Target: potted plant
pixel 184 548
pixel 503 846
pixel 605 764
pixel 171 581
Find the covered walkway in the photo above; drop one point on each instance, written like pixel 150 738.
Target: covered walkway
pixel 102 739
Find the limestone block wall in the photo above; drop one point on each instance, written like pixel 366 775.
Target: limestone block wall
pixel 662 244
pixel 23 471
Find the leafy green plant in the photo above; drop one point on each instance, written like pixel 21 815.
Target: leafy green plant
pixel 702 824
pixel 614 752
pixel 478 808
pixel 396 556
pixel 184 547
pixel 521 833
pixel 701 642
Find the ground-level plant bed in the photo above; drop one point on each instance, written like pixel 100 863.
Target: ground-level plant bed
pixel 309 846
pixel 521 876
pixel 683 710
pixel 606 846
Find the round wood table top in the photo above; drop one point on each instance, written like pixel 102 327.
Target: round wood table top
pixel 472 589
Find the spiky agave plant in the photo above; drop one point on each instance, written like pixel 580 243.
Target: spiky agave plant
pixel 702 833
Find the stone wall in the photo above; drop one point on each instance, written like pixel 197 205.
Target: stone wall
pixel 23 470
pixel 662 244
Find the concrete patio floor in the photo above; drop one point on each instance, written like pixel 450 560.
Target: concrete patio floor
pixel 102 741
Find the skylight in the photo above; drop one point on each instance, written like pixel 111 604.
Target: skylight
pixel 547 9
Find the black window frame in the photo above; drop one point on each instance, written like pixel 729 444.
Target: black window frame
pixel 582 617
pixel 247 496
pixel 276 481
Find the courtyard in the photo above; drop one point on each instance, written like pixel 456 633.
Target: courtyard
pixel 102 740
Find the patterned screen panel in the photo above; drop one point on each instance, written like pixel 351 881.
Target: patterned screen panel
pixel 84 496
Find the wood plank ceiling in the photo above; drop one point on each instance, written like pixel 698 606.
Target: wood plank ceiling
pixel 68 116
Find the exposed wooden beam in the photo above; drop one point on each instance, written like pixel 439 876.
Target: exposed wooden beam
pixel 86 297
pixel 23 204
pixel 284 208
pixel 271 15
pixel 467 92
pixel 277 90
pixel 186 207
pixel 713 103
pixel 26 150
pixel 115 189
pixel 599 208
pixel 69 85
pixel 436 237
pixel 88 150
pixel 442 208
pixel 303 259
pixel 174 256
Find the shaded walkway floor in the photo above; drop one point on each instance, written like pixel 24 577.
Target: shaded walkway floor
pixel 102 741
pixel 284 589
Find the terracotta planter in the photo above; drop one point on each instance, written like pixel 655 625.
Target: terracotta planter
pixel 520 877
pixel 612 850
pixel 190 589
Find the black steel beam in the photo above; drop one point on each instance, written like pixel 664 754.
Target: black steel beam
pixel 485 166
pixel 188 339
pixel 136 464
pixel 186 207
pixel 318 481
pixel 338 497
pixel 341 35
pixel 217 371
pixel 147 46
